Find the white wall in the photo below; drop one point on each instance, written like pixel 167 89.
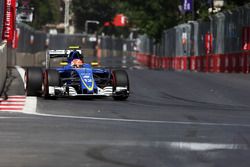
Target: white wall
pixel 3 64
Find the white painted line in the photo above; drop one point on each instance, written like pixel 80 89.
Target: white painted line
pixel 31 102
pixel 15 117
pixel 187 146
pixel 12 102
pixel 206 146
pixel 30 105
pixel 138 121
pixel 11 106
pixel 190 146
pixel 16 110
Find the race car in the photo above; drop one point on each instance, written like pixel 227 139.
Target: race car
pixel 74 77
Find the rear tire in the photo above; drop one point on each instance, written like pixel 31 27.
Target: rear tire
pixel 120 79
pixel 33 81
pixel 51 78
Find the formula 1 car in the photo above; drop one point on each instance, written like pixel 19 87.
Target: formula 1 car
pixel 75 78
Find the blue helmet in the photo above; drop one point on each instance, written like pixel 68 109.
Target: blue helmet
pixel 74 55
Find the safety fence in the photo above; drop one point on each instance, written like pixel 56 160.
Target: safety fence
pixel 113 46
pixel 221 44
pixel 33 41
pixel 32 45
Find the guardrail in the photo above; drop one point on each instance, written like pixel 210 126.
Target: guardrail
pixel 3 64
pixel 230 63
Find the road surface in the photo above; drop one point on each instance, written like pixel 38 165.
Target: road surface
pixel 171 119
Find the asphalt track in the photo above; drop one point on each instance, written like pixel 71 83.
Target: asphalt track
pixel 171 119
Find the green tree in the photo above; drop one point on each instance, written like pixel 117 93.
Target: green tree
pixel 100 10
pixel 45 11
pixel 152 17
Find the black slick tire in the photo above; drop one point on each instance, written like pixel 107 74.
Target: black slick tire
pixel 33 81
pixel 51 78
pixel 120 79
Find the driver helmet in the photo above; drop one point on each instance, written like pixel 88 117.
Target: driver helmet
pixel 74 55
pixel 75 59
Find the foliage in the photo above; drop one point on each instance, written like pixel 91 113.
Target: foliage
pixel 100 10
pixel 45 11
pixel 151 16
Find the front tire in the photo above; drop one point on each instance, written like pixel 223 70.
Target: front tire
pixel 120 79
pixel 51 78
pixel 33 81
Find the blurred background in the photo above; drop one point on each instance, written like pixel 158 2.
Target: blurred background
pixel 161 34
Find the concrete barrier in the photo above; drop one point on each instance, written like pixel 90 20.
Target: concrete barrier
pixel 30 59
pixel 3 64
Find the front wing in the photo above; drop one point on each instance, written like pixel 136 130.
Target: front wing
pixel 70 91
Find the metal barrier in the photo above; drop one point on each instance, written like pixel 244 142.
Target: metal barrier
pixel 220 44
pixel 32 44
pixel 189 39
pixel 111 46
pixel 32 41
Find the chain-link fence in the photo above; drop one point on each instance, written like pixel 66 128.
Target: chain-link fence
pixel 32 45
pixel 112 46
pixel 60 41
pixel 27 41
pixel 32 41
pixel 190 39
pixel 221 43
pixel 119 44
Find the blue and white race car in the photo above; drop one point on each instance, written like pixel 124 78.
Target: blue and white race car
pixel 75 78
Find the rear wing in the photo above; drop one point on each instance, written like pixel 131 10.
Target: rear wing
pixel 58 54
